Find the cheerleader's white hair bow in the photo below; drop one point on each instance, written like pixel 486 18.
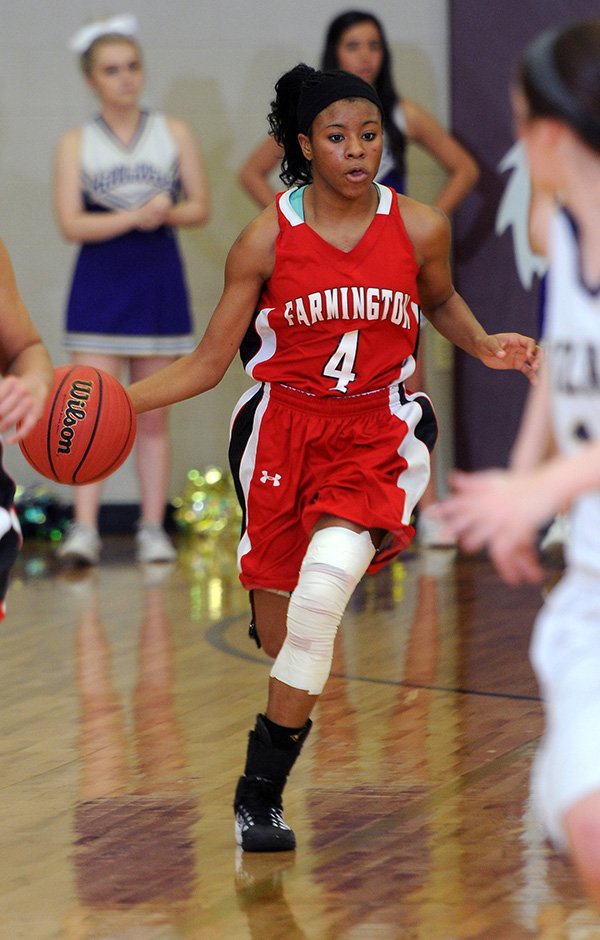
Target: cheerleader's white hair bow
pixel 125 24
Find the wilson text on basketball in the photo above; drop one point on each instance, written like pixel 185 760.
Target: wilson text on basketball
pixel 74 412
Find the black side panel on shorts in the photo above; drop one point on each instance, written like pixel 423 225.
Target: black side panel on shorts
pixel 427 428
pixel 240 435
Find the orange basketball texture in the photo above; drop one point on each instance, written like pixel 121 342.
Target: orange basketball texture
pixel 87 428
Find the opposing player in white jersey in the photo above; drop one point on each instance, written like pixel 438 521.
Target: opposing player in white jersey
pixel 557 115
pixel 124 181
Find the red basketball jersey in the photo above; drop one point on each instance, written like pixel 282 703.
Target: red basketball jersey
pixel 331 322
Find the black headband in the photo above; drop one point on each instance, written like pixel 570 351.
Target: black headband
pixel 323 88
pixel 545 77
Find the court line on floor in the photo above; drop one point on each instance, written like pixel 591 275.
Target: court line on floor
pixel 216 637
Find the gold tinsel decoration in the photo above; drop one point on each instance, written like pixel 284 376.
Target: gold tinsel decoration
pixel 208 505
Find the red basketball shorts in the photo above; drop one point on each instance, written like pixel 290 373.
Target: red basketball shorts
pixel 296 457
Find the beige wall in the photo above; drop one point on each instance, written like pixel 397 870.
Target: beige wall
pixel 212 64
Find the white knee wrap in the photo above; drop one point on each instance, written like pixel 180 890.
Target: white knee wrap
pixel 335 561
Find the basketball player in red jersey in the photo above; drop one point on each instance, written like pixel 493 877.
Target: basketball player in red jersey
pixel 330 451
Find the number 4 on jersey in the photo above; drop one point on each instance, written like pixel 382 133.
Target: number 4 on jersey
pixel 341 365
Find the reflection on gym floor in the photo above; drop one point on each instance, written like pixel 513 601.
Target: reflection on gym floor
pixel 128 695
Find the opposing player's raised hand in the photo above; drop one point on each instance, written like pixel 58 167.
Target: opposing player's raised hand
pixel 500 512
pixel 516 564
pixel 511 351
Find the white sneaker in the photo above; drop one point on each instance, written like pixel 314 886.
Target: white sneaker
pixel 80 547
pixel 153 544
pixel 432 533
pixel 154 575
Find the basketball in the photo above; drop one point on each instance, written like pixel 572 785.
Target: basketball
pixel 87 429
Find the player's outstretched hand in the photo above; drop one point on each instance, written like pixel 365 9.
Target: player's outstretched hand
pixel 511 351
pixel 501 512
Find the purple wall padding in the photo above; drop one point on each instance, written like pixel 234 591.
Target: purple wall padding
pixel 486 40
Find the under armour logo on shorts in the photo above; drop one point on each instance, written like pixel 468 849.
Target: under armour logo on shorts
pixel 265 478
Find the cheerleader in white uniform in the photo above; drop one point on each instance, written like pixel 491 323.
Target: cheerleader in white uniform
pixel 124 181
pixel 557 114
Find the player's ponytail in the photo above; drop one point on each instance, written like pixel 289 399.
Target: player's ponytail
pixel 283 121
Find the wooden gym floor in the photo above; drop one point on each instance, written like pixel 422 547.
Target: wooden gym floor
pixel 127 696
